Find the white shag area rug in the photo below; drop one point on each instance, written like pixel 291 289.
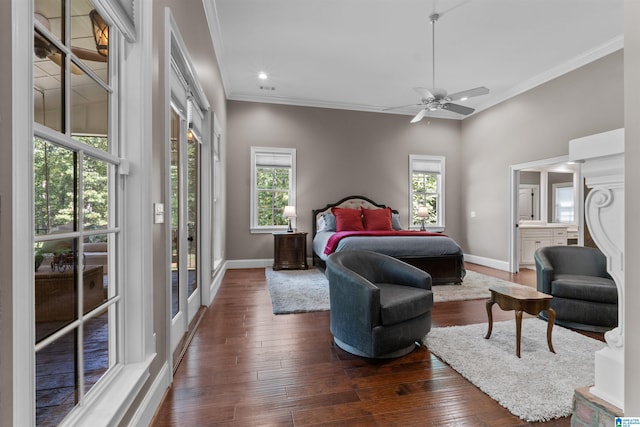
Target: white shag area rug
pixel 474 286
pixel 537 387
pixel 298 291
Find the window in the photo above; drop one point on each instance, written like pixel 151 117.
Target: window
pixel 426 189
pixel 75 218
pixel 86 351
pixel 216 238
pixel 563 202
pixel 273 186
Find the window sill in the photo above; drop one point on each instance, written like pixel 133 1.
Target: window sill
pixel 106 406
pixel 267 230
pixel 433 229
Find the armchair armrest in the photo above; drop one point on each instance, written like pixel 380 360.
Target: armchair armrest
pixel 544 272
pixel 400 273
pixel 355 301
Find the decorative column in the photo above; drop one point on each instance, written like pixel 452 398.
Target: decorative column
pixel 602 158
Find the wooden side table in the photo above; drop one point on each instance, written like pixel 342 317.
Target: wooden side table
pixel 290 250
pixel 521 299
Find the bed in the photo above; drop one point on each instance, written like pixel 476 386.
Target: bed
pixel 434 253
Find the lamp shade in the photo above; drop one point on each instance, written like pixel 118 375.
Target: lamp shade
pixel 289 211
pixel 423 211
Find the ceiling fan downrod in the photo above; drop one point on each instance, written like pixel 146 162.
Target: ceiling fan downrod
pixel 433 18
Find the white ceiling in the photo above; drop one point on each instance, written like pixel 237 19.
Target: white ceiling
pixel 369 54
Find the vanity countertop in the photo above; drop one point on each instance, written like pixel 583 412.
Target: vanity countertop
pixel 536 224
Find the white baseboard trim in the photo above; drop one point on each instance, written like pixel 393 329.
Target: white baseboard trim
pixel 487 262
pixel 261 263
pixel 214 287
pixel 153 398
pixel 255 263
pixel 248 263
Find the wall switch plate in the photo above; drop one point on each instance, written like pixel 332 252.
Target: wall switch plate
pixel 158 213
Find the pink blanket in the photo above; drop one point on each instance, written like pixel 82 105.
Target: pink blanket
pixel 333 241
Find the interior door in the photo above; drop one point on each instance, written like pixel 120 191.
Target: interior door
pixel 529 206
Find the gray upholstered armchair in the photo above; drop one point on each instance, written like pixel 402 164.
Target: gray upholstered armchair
pixel 584 295
pixel 380 306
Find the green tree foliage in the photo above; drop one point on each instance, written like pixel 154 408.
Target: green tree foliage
pixel 425 193
pixel 273 194
pixel 55 174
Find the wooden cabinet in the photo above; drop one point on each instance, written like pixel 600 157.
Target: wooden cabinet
pixel 532 238
pixel 290 250
pixel 56 293
pixel 572 237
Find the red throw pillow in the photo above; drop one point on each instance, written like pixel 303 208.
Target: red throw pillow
pixel 377 219
pixel 348 219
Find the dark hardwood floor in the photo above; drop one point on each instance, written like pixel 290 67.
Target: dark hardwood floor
pixel 248 367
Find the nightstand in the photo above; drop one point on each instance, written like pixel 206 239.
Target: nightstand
pixel 290 250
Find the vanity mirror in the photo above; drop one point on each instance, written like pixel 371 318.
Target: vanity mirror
pixel 548 194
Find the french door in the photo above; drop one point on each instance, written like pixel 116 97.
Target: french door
pixel 184 225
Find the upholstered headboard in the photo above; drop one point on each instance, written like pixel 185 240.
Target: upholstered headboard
pixel 349 202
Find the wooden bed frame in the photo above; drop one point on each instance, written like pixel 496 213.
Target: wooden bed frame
pixel 443 269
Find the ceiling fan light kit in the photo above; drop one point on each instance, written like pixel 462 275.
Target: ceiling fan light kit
pixel 435 99
pixel 100 32
pixel 43 48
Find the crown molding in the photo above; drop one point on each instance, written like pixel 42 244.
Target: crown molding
pixel 302 102
pixel 213 21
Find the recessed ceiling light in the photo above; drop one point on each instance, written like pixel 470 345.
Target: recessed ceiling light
pixel 262 75
pixel 464 98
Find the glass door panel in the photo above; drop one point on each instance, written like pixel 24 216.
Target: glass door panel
pixel 193 203
pixel 175 211
pixel 193 226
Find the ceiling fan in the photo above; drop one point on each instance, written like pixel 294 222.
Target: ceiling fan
pixel 44 49
pixel 437 98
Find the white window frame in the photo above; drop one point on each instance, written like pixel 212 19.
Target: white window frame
pixel 435 165
pixel 107 401
pixel 554 206
pixel 216 201
pixel 255 152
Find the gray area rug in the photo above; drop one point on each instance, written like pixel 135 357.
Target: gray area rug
pixel 537 387
pixel 298 291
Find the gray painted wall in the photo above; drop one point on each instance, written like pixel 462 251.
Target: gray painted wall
pixel 339 153
pixel 192 25
pixel 535 125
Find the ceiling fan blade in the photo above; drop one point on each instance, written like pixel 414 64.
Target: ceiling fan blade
pixel 419 116
pixel 468 93
pixel 87 54
pixel 424 92
pixel 57 58
pixel 401 106
pixel 456 108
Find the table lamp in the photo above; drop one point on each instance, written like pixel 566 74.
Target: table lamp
pixel 423 212
pixel 289 212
